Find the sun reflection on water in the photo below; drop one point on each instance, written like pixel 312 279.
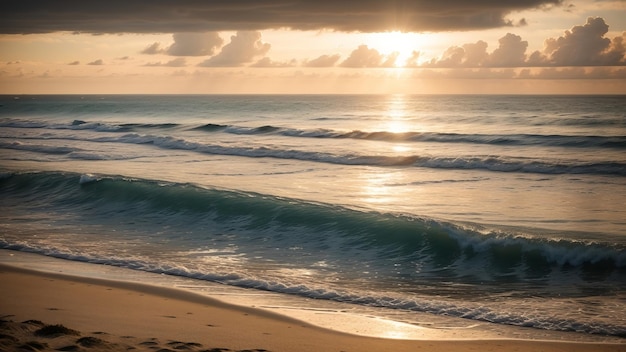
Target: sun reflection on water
pixel 397 114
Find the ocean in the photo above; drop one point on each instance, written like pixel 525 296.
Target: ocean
pixel 503 210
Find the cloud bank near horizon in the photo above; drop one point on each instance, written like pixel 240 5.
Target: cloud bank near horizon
pixel 173 16
pixel 582 45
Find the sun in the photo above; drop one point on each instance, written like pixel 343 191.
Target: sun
pixel 388 43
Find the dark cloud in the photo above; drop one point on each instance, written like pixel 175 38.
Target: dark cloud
pixel 74 63
pixel 96 62
pixel 194 44
pixel 188 44
pixel 243 48
pixel 172 16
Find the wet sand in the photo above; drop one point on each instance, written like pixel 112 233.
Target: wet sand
pixel 46 311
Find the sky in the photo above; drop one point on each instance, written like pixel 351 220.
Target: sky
pixel 313 47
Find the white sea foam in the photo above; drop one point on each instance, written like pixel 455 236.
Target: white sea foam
pixel 88 178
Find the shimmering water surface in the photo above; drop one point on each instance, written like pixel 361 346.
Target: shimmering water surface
pixel 505 209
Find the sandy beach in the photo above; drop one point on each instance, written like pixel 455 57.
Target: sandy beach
pixel 46 311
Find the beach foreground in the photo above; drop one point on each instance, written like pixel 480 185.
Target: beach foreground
pixel 104 315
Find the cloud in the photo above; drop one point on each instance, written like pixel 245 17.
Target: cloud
pixel 188 44
pixel 96 62
pixel 581 46
pixel 598 72
pixel 413 60
pixel 178 62
pixel 173 16
pixel 510 53
pixel 322 61
pixel 242 49
pixel 74 63
pixel 267 62
pixel 585 46
pixel 468 73
pixel 390 60
pixel 363 56
pixel 153 49
pixel 194 44
pixel 469 55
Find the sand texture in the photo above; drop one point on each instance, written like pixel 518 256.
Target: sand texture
pixel 54 312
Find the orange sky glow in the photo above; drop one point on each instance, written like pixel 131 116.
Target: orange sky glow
pixel 276 47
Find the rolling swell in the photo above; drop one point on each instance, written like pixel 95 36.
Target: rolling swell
pixel 488 162
pixel 120 134
pixel 456 248
pixel 478 162
pixel 491 163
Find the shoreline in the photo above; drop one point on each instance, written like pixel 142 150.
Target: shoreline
pixel 343 317
pixel 138 315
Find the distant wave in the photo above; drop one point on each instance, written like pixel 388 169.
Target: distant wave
pixel 40 148
pixel 85 125
pixel 588 141
pixel 487 162
pixel 70 152
pixel 494 139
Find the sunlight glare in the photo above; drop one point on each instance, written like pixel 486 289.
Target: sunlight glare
pixel 398 42
pixel 396 126
pixel 398 121
pixel 397 115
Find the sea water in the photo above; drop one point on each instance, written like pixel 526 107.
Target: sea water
pixel 493 209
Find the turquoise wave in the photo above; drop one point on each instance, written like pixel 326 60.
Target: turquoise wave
pixel 382 235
